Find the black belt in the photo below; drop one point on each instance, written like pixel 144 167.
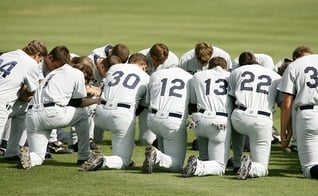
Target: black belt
pixel 240 107
pixel 123 105
pixel 306 107
pixel 44 105
pixel 154 111
pixel 216 113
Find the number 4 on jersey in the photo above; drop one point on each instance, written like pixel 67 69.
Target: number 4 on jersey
pixel 6 68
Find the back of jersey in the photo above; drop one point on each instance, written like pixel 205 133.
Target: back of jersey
pixel 125 83
pixel 169 90
pixel 254 87
pixel 13 68
pixel 209 89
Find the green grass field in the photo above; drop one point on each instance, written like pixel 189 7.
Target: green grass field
pixel 273 27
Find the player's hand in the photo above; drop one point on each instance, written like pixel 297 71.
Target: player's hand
pixel 285 138
pixel 93 91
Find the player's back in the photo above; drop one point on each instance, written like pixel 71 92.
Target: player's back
pixel 209 89
pixel 125 83
pixel 304 73
pixel 55 89
pixel 254 87
pixel 169 90
pixel 13 67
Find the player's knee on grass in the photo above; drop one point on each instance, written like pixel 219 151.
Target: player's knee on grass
pixel 314 172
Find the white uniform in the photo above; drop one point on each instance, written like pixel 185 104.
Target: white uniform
pixel 300 80
pixel 14 67
pixel 254 88
pixel 209 93
pixel 125 87
pixel 17 136
pixel 145 135
pixel 263 59
pixel 169 97
pixel 189 62
pixel 48 110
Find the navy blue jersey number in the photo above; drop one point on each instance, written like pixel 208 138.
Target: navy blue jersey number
pixel 222 85
pixel 130 81
pixel 263 81
pixel 177 84
pixel 6 68
pixel 313 76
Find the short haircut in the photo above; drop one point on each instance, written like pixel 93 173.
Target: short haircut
pixel 138 58
pixel 110 61
pixel 301 51
pixel 159 52
pixel 217 61
pixel 247 58
pixel 122 51
pixel 34 47
pixel 62 54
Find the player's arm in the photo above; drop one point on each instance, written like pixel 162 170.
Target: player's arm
pixel 285 120
pixel 83 102
pixel 25 95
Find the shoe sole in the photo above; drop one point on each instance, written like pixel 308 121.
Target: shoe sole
pixel 25 158
pixel 246 165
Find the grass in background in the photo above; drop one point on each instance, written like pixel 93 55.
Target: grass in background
pixel 272 27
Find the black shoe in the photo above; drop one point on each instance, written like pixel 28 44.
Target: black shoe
pixel 74 147
pixel 80 162
pixel 293 148
pixel 13 158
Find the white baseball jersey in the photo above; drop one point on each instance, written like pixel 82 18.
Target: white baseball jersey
pixel 210 89
pixel 254 87
pixel 189 62
pixel 125 83
pixel 171 61
pixel 263 59
pixel 169 90
pixel 300 79
pixel 54 89
pixel 13 69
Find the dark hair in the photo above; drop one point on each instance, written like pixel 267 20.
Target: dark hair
pixel 247 58
pixel 159 52
pixel 217 61
pixel 122 51
pixel 110 61
pixel 34 47
pixel 138 58
pixel 301 51
pixel 61 53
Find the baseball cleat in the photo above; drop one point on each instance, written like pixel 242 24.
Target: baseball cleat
pixel 150 157
pixel 58 148
pixel 246 165
pixel 189 170
pixel 92 164
pixel 25 158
